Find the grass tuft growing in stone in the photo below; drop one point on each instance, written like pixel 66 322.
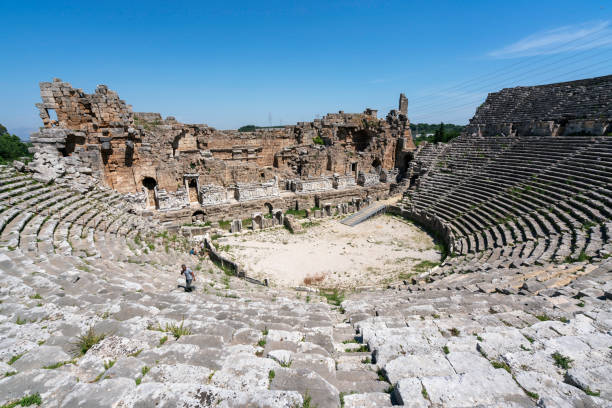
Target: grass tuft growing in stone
pixel 163 340
pixel 59 364
pixel 33 399
pixel 588 391
pixel 500 364
pixel 86 341
pixel 177 330
pixel 445 349
pixel 15 358
pixel 362 349
pixel 333 296
pixel 561 360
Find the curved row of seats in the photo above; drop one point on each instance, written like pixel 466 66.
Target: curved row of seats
pixel 522 201
pixel 578 99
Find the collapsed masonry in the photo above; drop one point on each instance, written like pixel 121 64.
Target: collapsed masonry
pixel 186 170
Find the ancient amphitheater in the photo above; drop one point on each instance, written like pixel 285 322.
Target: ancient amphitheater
pixel 517 314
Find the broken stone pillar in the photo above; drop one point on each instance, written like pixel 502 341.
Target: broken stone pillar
pixel 317 213
pixel 291 224
pixel 308 213
pixel 236 226
pixel 327 210
pixel 278 216
pixel 257 221
pixel 403 104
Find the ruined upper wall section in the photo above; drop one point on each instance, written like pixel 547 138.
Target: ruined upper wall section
pixel 565 108
pixel 77 110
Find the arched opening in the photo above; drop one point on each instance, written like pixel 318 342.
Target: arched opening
pixel 71 143
pixel 268 208
pixel 376 164
pixel 150 183
pixel 198 217
pixel 193 190
pixel 361 140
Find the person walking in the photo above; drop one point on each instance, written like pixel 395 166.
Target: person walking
pixel 189 277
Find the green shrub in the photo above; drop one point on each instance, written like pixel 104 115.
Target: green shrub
pixel 333 296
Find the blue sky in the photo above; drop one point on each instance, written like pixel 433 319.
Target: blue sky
pixel 228 64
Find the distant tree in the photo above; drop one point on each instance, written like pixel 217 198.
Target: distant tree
pixel 11 147
pixel 439 135
pixel 247 128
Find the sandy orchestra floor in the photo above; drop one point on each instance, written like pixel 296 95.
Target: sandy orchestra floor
pixel 375 252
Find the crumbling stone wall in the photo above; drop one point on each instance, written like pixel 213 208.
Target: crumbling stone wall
pixel 96 139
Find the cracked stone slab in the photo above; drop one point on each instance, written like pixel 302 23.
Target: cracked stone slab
pixel 428 365
pixel 472 389
pixel 409 392
pixel 187 395
pixel 596 379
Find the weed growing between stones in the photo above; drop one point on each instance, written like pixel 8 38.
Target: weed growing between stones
pixel 86 341
pixel 15 358
pixel 177 330
pixel 307 401
pixel 362 349
pixel 33 399
pixel 588 391
pixel 498 364
pixel 59 364
pixel 163 340
pixel 562 361
pixel 424 266
pixel 333 296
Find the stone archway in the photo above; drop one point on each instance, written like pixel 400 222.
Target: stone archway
pixel 376 164
pixel 150 185
pixel 198 216
pixel 257 221
pixel 192 185
pixel 268 208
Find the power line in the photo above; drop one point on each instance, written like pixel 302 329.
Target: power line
pixel 521 75
pixel 561 48
pixel 453 108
